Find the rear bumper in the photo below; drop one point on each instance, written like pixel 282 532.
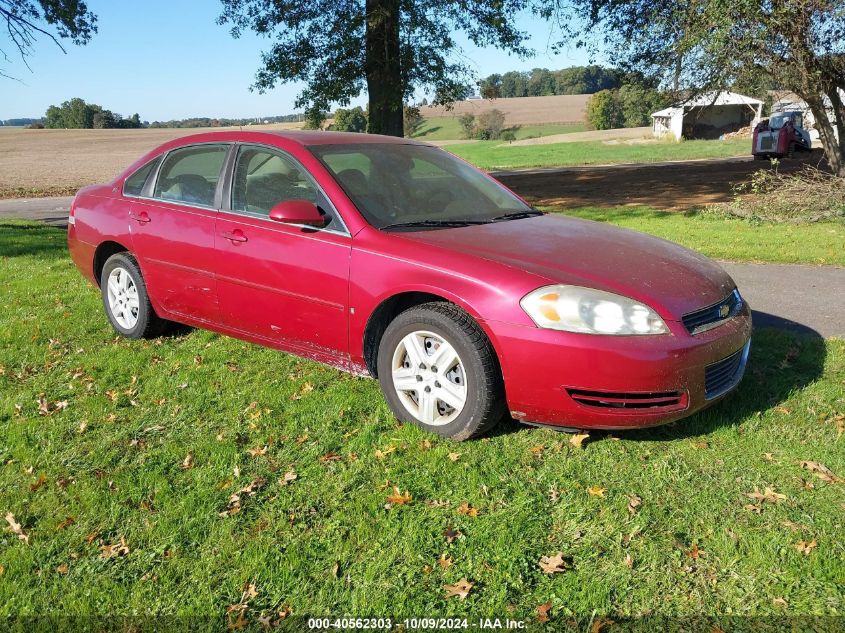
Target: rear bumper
pixel 607 382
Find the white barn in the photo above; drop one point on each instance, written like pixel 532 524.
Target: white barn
pixel 708 115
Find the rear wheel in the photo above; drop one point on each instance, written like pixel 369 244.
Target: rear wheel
pixel 437 369
pixel 125 299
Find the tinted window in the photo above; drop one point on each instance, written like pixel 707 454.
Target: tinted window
pixel 190 175
pixel 264 178
pixel 134 185
pixel 396 183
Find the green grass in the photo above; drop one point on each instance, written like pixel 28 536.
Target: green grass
pixel 448 128
pixel 325 544
pixel 494 155
pixel 728 238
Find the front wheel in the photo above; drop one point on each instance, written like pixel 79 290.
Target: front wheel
pixel 437 368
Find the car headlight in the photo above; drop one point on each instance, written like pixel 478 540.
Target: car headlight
pixel 577 309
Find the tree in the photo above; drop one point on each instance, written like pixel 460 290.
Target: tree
pixel 352 120
pixel 467 123
pixel 705 45
pixel 412 120
pixel 75 113
pixel 58 20
pixel 490 125
pixel 337 48
pixel 604 111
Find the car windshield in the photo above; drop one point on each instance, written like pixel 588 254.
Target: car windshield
pixel 413 187
pixel 777 121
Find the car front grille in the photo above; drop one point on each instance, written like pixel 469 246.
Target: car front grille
pixel 618 400
pixel 721 376
pixel 713 315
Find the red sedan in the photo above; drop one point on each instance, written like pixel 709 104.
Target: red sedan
pixel 394 259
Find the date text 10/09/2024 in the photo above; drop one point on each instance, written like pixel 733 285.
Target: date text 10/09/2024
pixel 415 623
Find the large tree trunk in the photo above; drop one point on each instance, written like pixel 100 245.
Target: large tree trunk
pixel 383 68
pixel 832 150
pixel 839 115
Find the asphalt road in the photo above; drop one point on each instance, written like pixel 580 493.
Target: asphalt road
pixel 804 299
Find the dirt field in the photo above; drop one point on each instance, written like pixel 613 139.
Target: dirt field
pixel 625 134
pixel 521 110
pixel 58 160
pixel 673 186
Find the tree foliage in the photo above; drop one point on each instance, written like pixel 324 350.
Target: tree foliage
pixel 26 20
pixel 77 114
pixel 541 81
pixel 390 48
pixel 701 45
pixel 351 120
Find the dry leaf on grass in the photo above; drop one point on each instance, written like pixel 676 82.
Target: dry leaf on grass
pixel 596 491
pixel 543 612
pixel 822 472
pixel 288 478
pixel 188 462
pixel 454 456
pixel 397 498
pixel 634 502
pixel 554 564
pixel 117 549
pixel 600 624
pixel 577 440
pixel 461 589
pixel 16 528
pixel 444 561
pixel 805 547
pixel 629 562
pixel 330 457
pixel 66 523
pixel 257 451
pixel 450 534
pixel 468 510
pixel 694 552
pixel 768 495
pixel 381 454
pixel 780 602
pixel 62 569
pixel 42 479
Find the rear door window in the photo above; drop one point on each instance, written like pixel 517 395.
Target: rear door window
pixel 190 175
pixel 134 185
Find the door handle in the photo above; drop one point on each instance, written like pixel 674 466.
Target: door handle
pixel 140 218
pixel 235 236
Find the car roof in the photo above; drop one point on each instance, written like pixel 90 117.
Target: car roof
pixel 302 137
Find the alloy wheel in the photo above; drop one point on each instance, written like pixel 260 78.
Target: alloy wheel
pixel 123 298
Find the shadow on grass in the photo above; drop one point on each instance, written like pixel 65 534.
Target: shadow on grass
pixel 19 239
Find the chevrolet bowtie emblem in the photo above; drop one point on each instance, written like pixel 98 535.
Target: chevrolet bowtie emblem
pixel 724 310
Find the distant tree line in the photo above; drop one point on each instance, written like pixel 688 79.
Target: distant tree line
pixel 18 122
pixel 223 122
pixel 630 105
pixel 575 80
pixel 77 114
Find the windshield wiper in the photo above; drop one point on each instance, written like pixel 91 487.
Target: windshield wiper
pixel 516 215
pixel 432 223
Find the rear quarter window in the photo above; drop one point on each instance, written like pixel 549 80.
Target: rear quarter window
pixel 134 185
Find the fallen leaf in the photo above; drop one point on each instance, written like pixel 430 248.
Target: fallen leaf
pixel 397 498
pixel 83 426
pixel 250 591
pixel 768 495
pixel 117 549
pixel 454 456
pixel 600 624
pixel 425 445
pixel 577 439
pixel 768 457
pixel 468 510
pixel 2 570
pixel 62 569
pixel 91 537
pixel 554 564
pixel 780 602
pixel 188 462
pixel 629 562
pixel 543 612
pixel 381 454
pixel 805 547
pixel 822 472
pixel 444 561
pixel 258 451
pixel 66 523
pixel 288 478
pixel 461 589
pixel 596 491
pixel 450 534
pixel 16 528
pixel 330 457
pixel 42 479
pixel 694 552
pixel 752 508
pixel 634 502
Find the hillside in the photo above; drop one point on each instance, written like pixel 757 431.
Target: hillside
pixel 520 110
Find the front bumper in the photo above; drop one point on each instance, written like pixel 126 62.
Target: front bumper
pixel 619 382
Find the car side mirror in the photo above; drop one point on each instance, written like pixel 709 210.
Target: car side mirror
pixel 297 212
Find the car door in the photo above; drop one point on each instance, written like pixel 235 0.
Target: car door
pixel 286 283
pixel 172 223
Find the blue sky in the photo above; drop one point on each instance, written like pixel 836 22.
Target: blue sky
pixel 170 60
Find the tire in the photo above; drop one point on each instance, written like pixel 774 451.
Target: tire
pixel 127 303
pixel 434 331
pixel 790 152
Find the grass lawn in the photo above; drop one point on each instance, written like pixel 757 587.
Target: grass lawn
pixel 733 239
pixel 448 128
pixel 123 463
pixel 494 155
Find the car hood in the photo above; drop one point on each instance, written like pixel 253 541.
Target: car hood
pixel 666 276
